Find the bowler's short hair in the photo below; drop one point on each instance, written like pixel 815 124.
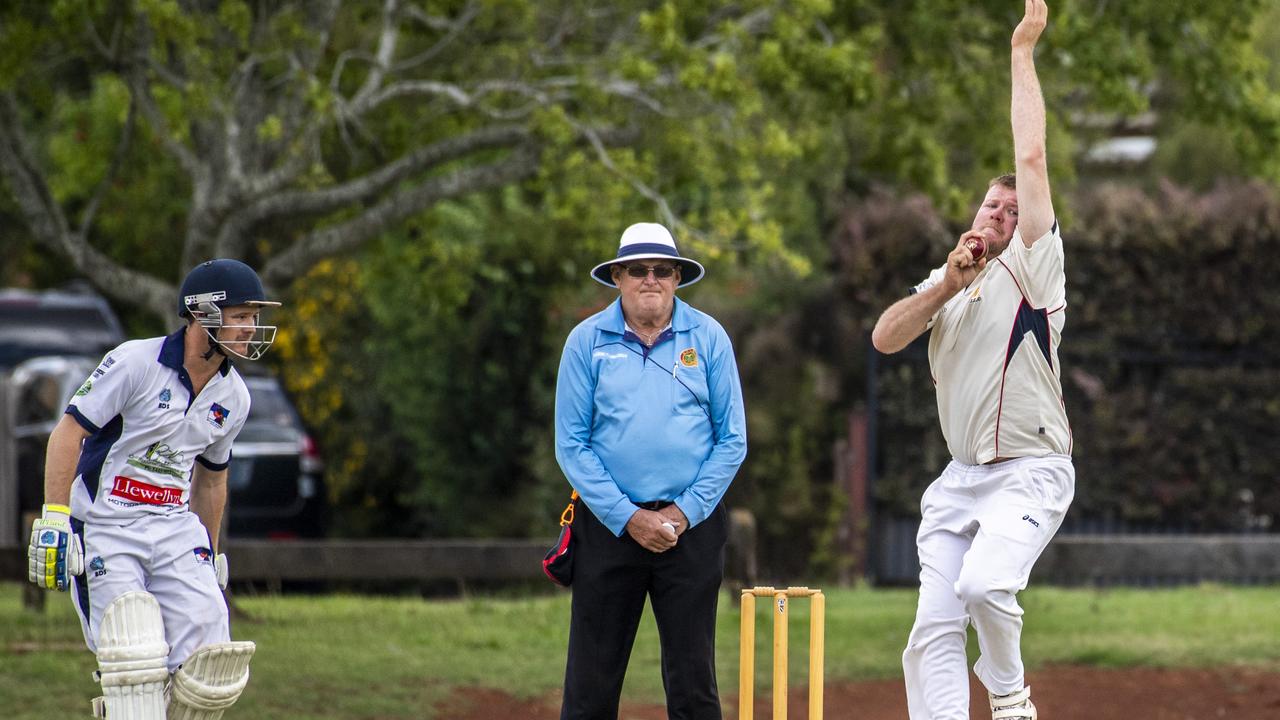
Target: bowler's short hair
pixel 1008 180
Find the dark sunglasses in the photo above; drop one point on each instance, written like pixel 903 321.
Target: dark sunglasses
pixel 640 272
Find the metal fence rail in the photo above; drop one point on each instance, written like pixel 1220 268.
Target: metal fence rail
pixel 1108 559
pixel 311 560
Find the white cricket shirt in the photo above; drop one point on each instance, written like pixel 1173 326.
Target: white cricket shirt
pixel 148 429
pixel 993 353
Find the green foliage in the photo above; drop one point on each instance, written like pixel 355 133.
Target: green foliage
pixel 463 349
pixel 1176 349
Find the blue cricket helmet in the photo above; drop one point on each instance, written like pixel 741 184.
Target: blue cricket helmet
pixel 222 283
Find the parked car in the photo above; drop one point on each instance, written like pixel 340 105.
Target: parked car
pixel 72 322
pixel 51 341
pixel 275 486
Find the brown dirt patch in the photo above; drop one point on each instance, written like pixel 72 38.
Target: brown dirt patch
pixel 1061 693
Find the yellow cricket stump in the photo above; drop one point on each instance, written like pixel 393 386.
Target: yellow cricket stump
pixel 747 650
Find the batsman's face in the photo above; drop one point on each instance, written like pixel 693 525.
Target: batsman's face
pixel 650 295
pixel 238 327
pixel 999 212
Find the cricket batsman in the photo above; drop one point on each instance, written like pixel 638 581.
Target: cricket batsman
pixel 135 486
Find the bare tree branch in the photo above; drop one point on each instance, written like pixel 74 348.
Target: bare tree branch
pixel 471 98
pixel 387 41
pixel 43 213
pixel 48 224
pixel 335 77
pixel 240 81
pixel 672 220
pixel 320 18
pixel 108 52
pixel 308 150
pixel 456 27
pixel 141 92
pixel 412 87
pixel 232 234
pixel 117 159
pixel 519 165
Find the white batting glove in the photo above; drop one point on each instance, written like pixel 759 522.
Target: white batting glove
pixel 55 554
pixel 220 569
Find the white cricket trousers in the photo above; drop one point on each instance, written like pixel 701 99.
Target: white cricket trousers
pixel 982 528
pixel 166 555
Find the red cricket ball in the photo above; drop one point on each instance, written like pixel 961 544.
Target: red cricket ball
pixel 977 247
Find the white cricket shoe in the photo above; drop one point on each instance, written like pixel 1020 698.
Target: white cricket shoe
pixel 1014 706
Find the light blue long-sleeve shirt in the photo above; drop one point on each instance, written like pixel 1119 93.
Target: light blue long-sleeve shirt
pixel 637 424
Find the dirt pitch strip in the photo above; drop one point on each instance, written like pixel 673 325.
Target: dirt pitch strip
pixel 1060 693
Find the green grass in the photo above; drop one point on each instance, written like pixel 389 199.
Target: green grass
pixel 350 656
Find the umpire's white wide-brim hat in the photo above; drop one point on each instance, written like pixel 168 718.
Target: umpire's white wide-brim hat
pixel 648 241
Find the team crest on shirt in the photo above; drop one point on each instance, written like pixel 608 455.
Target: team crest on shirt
pixel 689 358
pixel 976 295
pixel 98 567
pixel 203 555
pixel 165 397
pixel 218 415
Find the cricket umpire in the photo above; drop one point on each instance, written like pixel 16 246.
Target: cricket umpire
pixel 135 486
pixel 996 311
pixel 650 430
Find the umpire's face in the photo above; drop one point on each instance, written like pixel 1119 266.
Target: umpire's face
pixel 645 290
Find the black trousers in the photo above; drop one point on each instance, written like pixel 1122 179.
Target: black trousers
pixel 611 578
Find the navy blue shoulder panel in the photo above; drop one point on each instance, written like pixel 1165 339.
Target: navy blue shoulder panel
pixel 94 454
pixel 1034 321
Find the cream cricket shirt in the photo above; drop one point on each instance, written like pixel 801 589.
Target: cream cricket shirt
pixel 994 356
pixel 148 429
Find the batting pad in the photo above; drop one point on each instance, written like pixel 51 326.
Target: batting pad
pixel 210 681
pixel 132 657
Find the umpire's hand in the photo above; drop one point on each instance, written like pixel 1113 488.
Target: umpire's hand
pixel 646 527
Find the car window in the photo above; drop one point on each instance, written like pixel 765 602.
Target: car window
pixel 271 415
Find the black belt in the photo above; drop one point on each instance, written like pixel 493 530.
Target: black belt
pixel 654 504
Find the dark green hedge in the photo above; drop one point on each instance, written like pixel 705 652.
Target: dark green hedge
pixel 1170 355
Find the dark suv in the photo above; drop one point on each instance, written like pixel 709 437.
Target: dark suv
pixel 275 487
pixel 55 322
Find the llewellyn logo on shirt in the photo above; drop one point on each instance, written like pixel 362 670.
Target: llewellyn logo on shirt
pixel 217 415
pixel 139 492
